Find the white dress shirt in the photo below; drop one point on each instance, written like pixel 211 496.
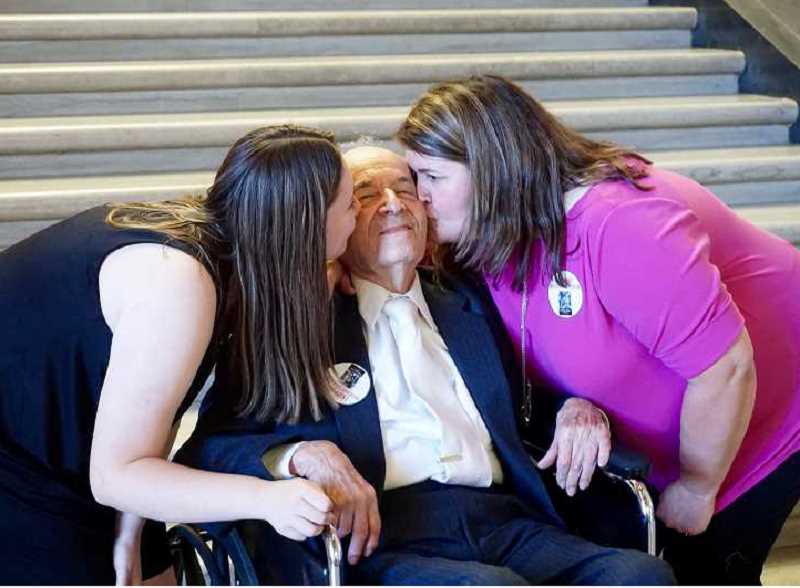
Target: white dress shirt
pixel 430 426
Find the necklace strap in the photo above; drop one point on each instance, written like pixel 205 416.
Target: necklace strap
pixel 527 396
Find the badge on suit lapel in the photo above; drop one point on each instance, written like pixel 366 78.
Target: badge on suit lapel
pixel 355 383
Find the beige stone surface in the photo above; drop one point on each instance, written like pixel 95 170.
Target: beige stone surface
pixel 783 567
pixel 357 70
pixel 358 22
pixel 89 6
pixel 44 135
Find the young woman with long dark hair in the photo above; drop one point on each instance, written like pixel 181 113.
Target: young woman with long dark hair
pixel 112 321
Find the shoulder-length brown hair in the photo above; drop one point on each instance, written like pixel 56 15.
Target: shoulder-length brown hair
pixel 521 160
pixel 260 229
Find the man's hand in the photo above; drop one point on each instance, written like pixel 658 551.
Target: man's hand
pixel 354 499
pixel 581 442
pixel 685 509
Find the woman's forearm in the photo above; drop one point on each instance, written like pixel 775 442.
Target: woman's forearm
pixel 716 412
pixel 156 489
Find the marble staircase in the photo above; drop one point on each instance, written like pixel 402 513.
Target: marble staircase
pixel 98 103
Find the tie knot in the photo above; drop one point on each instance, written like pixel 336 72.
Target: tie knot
pixel 401 310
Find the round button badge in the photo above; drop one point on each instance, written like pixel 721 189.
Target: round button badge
pixel 567 301
pixel 355 383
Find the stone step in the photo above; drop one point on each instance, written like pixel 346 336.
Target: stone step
pixel 122 50
pixel 142 6
pixel 790 535
pixel 54 134
pixel 47 90
pixel 202 35
pixel 57 198
pixel 54 198
pixel 55 146
pixel 194 25
pixel 255 98
pixel 781 220
pixel 782 567
pixel 359 71
pixel 743 176
pixel 735 166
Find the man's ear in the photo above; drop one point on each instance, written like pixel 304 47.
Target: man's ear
pixel 339 278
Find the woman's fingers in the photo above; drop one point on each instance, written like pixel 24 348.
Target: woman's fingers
pixel 316 497
pixel 316 516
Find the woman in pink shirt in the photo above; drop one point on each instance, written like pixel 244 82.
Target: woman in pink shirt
pixel 636 289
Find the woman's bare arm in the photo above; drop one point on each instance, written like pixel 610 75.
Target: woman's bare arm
pixel 159 304
pixel 715 415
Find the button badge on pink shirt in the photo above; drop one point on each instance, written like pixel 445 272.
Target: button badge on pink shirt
pixel 567 301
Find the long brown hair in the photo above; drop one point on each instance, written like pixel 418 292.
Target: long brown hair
pixel 521 161
pixel 260 229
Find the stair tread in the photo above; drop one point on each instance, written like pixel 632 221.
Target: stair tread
pixel 22 78
pixel 43 198
pixel 89 6
pixel 606 106
pixel 360 22
pixel 134 131
pixel 100 182
pixel 729 156
pixel 639 55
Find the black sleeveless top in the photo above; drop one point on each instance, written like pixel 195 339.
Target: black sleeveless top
pixel 54 352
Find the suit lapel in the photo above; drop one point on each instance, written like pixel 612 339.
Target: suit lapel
pixel 358 424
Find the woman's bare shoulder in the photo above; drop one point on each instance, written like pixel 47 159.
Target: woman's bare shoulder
pixel 158 275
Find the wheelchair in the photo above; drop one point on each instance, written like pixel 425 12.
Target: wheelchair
pixel 219 555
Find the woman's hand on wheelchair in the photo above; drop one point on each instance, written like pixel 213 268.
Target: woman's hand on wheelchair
pixel 355 500
pixel 298 508
pixel 582 442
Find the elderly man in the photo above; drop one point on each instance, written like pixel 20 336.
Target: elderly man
pixel 422 455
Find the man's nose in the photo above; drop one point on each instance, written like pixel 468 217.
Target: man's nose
pixel 391 203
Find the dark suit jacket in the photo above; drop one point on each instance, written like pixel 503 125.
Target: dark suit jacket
pixel 469 326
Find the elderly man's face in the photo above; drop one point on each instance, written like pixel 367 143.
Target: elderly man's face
pixel 392 226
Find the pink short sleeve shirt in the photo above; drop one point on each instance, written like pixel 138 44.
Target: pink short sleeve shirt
pixel 660 284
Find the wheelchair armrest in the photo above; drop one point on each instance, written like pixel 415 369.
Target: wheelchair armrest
pixel 628 467
pixel 622 462
pixel 627 463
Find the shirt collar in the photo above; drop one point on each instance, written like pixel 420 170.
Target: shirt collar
pixel 372 297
